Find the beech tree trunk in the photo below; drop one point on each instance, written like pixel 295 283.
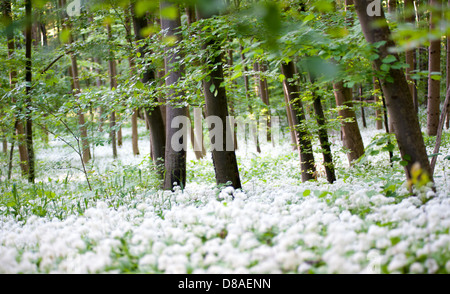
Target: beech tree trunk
pixel 28 79
pixel 323 138
pixel 303 142
pixel 175 159
pixel 378 110
pixel 252 131
pixel 134 131
pixel 434 65
pixel 112 85
pixel 351 135
pixel 19 126
pixel 81 119
pixel 264 94
pixel 85 151
pixel 224 160
pixel 153 115
pixel 397 94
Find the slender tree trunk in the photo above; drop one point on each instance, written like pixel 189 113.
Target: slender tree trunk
pixel 153 115
pixel 119 133
pixel 85 150
pixel 196 135
pixel 247 96
pixel 434 65
pixel 231 102
pixel 264 94
pixel 81 119
pixel 397 94
pixel 99 83
pixel 112 85
pixel 132 64
pixel 351 135
pixel 224 160
pixel 378 111
pixel 361 100
pixel 303 142
pixel 323 138
pixel 175 158
pixel 19 126
pixel 134 131
pixel 28 79
pixel 290 122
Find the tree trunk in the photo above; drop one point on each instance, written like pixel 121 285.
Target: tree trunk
pixel 303 141
pixel 153 115
pixel 19 126
pixel 112 85
pixel 323 138
pixel 224 159
pixel 264 94
pixel 397 94
pixel 351 135
pixel 361 100
pixel 290 122
pixel 175 157
pixel 378 110
pixel 247 96
pixel 81 119
pixel 132 65
pixel 28 79
pixel 231 102
pixel 134 131
pixel 434 65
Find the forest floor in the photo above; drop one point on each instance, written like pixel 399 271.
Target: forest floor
pixel 365 222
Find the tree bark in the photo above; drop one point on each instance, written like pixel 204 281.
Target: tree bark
pixel 134 131
pixel 19 126
pixel 153 115
pixel 248 98
pixel 323 138
pixel 434 65
pixel 28 79
pixel 397 94
pixel 224 160
pixel 378 110
pixel 112 85
pixel 175 159
pixel 81 119
pixel 303 141
pixel 264 94
pixel 351 135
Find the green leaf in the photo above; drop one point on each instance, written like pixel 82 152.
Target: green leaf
pixel 212 88
pixel 373 57
pixel 389 59
pixel 306 193
pixel 385 67
pixel 403 163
